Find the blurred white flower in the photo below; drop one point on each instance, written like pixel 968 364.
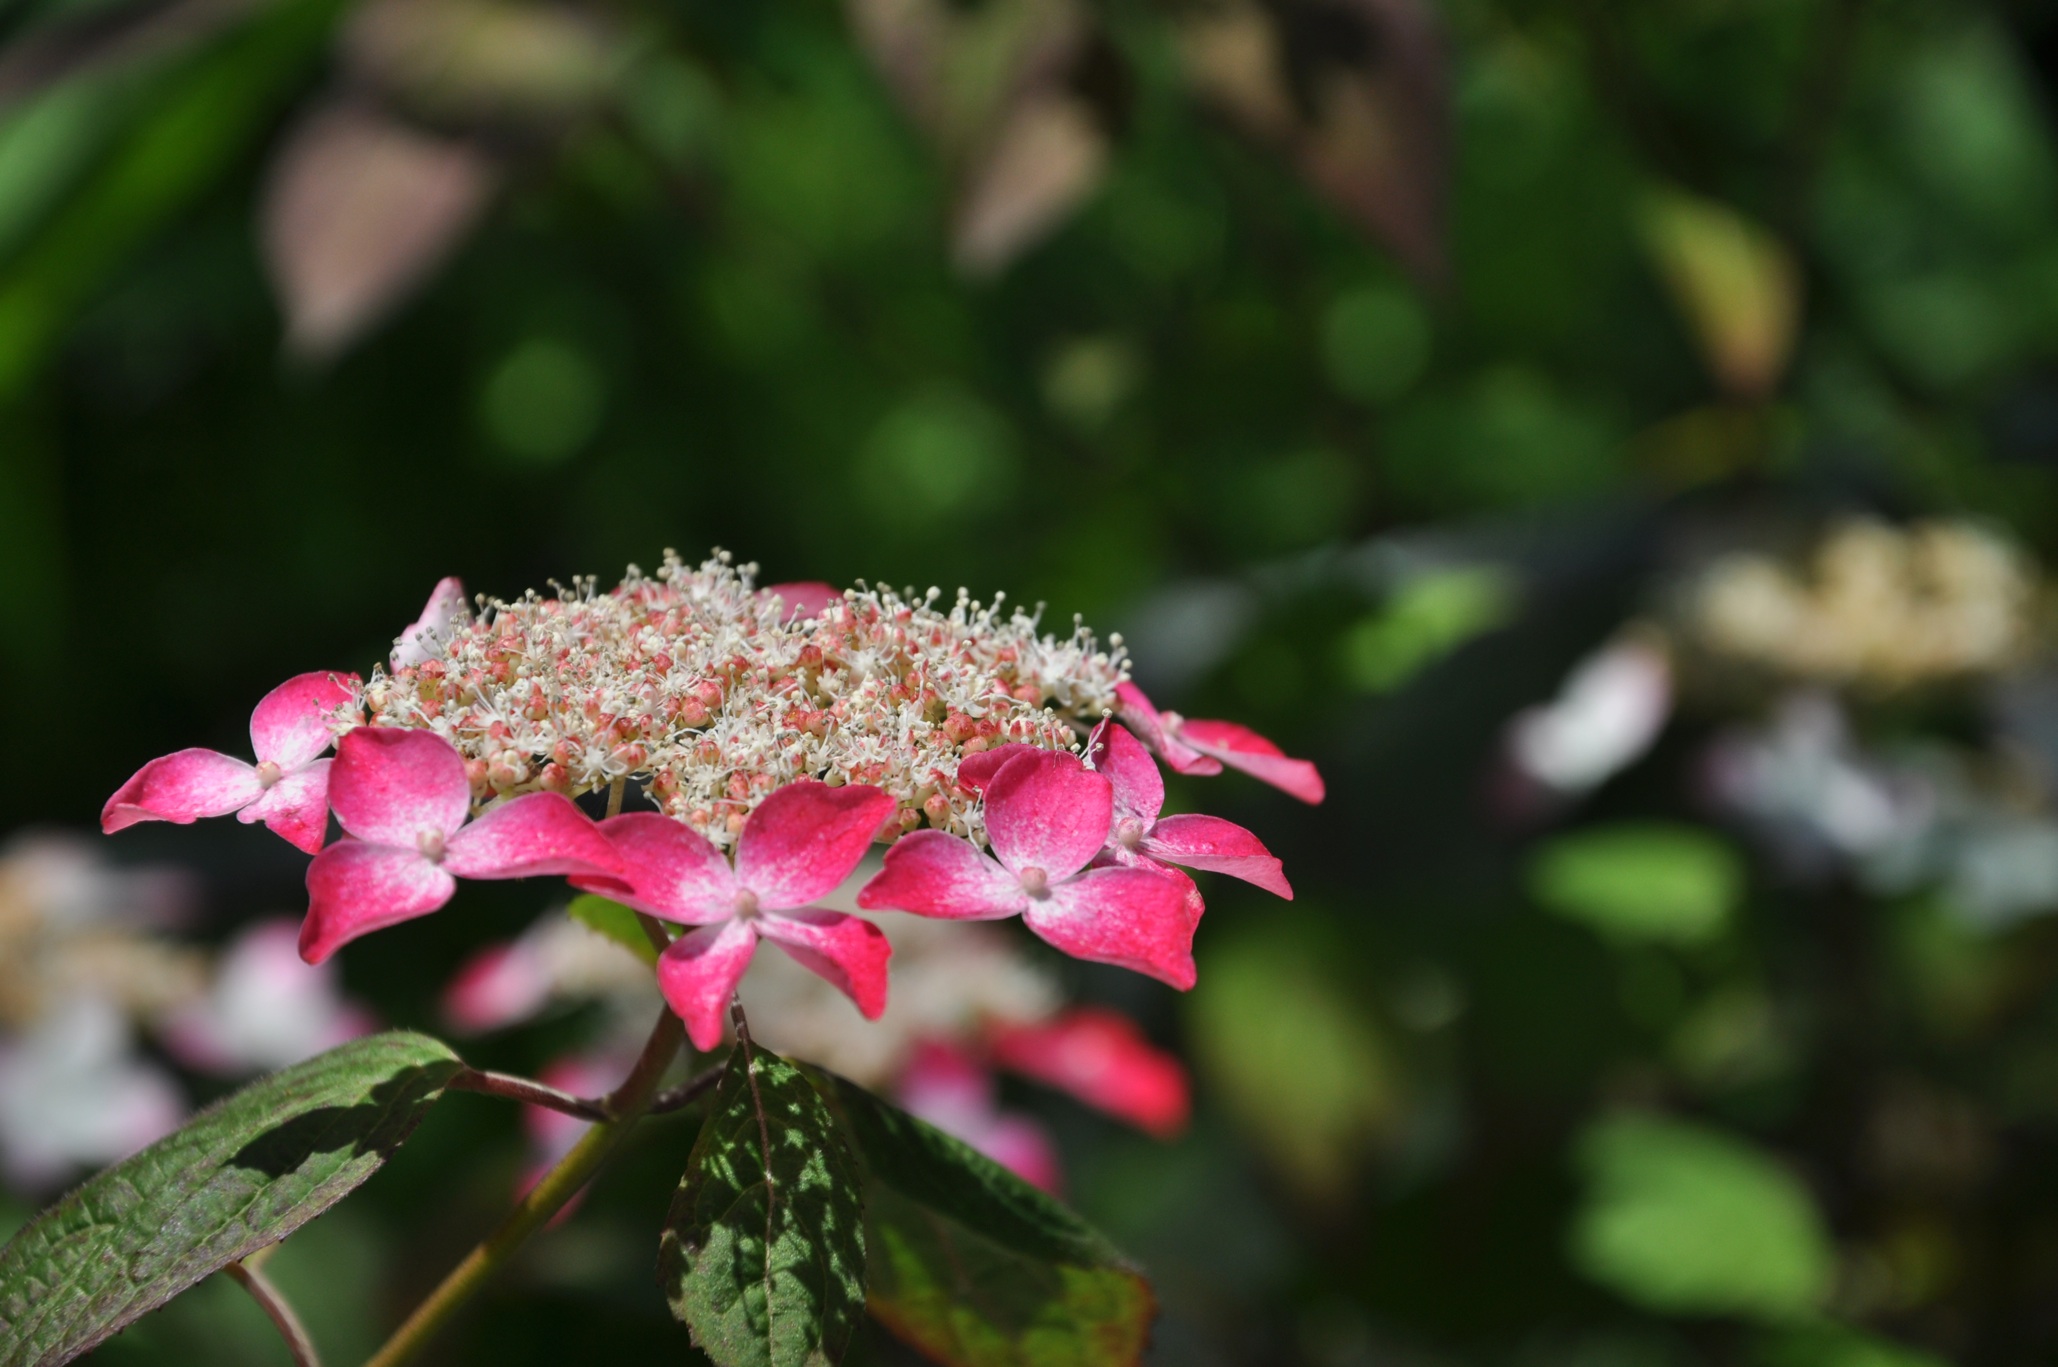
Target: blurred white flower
pixel 265 1009
pixel 74 1094
pixel 1801 780
pixel 1610 710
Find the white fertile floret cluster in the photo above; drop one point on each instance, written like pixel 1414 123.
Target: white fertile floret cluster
pixel 710 693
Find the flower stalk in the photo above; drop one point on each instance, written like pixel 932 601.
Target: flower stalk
pixel 627 1104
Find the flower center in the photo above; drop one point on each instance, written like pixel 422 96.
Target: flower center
pixel 1035 881
pixel 746 904
pixel 430 843
pixel 268 773
pixel 1171 721
pixel 1129 832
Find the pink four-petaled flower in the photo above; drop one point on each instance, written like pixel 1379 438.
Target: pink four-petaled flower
pixel 402 794
pixel 1047 816
pixel 287 789
pixel 796 847
pixel 1203 747
pixel 1140 836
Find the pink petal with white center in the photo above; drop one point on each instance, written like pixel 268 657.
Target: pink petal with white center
pixel 446 614
pixel 806 838
pixel 1130 771
pixel 847 951
pixel 291 723
pixel 1239 747
pixel 698 975
pixel 1131 918
pixel 1149 725
pixel 1047 810
pixel 1101 1057
pixel 670 870
pixel 1209 842
pixel 388 785
pixel 354 889
pixel 934 873
pixel 539 833
pixel 806 597
pixel 976 770
pixel 182 788
pixel 296 808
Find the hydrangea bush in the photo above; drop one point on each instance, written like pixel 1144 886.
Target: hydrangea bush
pixel 741 753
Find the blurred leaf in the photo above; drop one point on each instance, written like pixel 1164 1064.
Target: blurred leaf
pixel 1833 1345
pixel 975 1267
pixel 1685 1220
pixel 359 210
pixel 101 42
pixel 1428 616
pixel 1641 882
pixel 615 921
pixel 763 1252
pixel 1375 343
pixel 1734 282
pixel 1356 92
pixel 1005 91
pixel 1292 1055
pixel 476 59
pixel 238 1177
pixel 206 117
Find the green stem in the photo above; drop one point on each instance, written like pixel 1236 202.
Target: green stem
pixel 627 1104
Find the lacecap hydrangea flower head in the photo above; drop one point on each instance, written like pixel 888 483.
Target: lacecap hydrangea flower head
pixel 776 734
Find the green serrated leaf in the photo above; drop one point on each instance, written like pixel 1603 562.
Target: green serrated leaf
pixel 975 1267
pixel 763 1254
pixel 241 1175
pixel 615 921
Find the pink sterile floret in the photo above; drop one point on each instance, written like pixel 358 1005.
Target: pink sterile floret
pixel 1100 1057
pixel 1203 747
pixel 1139 836
pixel 446 614
pixel 287 789
pixel 796 847
pixel 403 795
pixel 1047 816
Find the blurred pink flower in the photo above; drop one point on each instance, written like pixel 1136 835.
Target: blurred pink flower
pixel 1047 816
pixel 794 849
pixel 404 796
pixel 1608 712
pixel 1102 1058
pixel 266 1009
pixel 952 1092
pixel 1139 836
pixel 287 789
pixel 1203 747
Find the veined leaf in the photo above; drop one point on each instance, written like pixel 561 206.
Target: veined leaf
pixel 243 1174
pixel 763 1253
pixel 975 1267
